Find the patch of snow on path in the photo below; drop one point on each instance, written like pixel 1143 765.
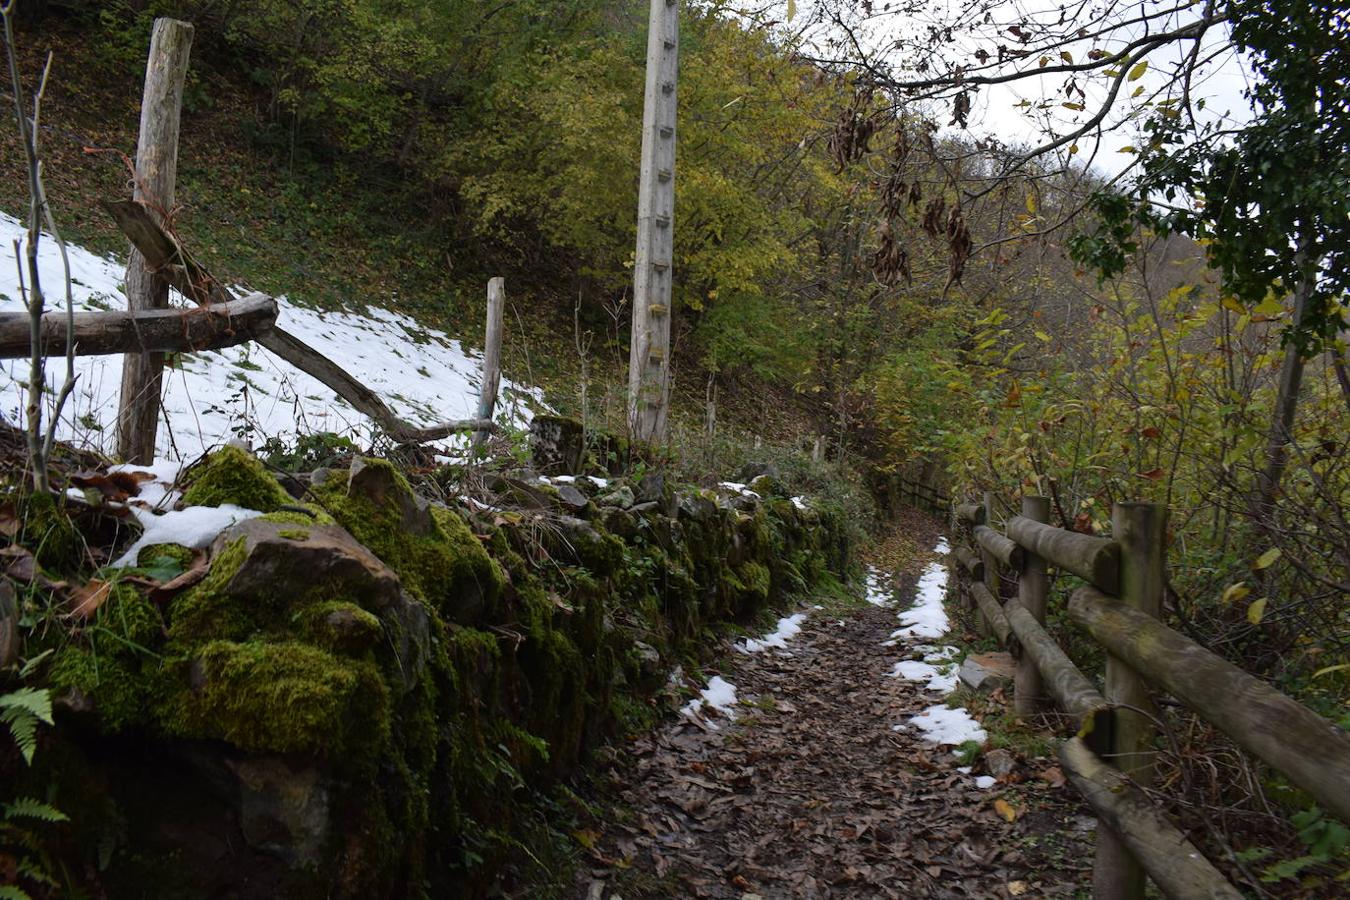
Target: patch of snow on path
pixel 423 374
pixel 720 695
pixel 788 627
pixel 927 618
pixel 878 588
pixel 948 726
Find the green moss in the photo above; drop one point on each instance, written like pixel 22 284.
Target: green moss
pixel 283 698
pixel 130 623
pixel 339 626
pixel 312 515
pixel 205 612
pixel 114 685
pixel 232 475
pixel 446 567
pixel 49 533
pixel 150 554
pixel 294 534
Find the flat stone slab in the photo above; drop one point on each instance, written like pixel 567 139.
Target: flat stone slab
pixel 987 672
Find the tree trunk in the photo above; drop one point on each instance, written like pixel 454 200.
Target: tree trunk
pixel 1286 402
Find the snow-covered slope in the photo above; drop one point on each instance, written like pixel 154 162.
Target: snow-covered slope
pixel 423 374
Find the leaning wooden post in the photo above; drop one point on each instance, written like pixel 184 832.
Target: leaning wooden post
pixel 1028 690
pixel 156 171
pixel 649 347
pixel 1139 528
pixel 492 355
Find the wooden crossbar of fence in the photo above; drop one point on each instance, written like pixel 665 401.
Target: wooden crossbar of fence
pixel 1120 610
pixel 922 495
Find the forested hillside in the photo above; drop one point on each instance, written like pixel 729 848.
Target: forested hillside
pixel 872 286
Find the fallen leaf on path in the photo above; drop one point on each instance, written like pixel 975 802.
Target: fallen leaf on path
pixel 1006 810
pixel 1017 888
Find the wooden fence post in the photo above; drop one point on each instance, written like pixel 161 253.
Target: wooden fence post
pixel 990 568
pixel 1028 690
pixel 156 171
pixel 492 355
pixel 1140 529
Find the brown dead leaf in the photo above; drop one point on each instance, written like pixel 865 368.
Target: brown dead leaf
pixel 86 599
pixel 117 486
pixel 9 520
pixel 1017 888
pixel 1053 776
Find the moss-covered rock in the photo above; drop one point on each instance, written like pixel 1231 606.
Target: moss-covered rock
pixel 432 549
pixel 235 476
pixel 407 676
pixel 284 697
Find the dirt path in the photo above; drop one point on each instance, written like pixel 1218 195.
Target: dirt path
pixel 811 792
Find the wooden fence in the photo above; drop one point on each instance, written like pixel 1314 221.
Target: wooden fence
pixel 921 495
pixel 149 328
pixel 1109 758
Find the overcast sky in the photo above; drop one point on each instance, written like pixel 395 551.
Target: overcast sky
pixel 996 110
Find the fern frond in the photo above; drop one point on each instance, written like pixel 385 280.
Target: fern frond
pixel 10 892
pixel 21 710
pixel 28 808
pixel 37 702
pixel 34 872
pixel 24 728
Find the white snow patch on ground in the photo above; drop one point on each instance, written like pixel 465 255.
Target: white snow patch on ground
pixel 927 618
pixel 800 503
pixel 788 628
pixel 720 695
pixel 934 677
pixel 948 726
pixel 196 527
pixel 423 374
pixel 878 585
pixel 984 782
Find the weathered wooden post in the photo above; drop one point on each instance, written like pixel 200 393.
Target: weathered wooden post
pixel 492 355
pixel 156 171
pixel 990 569
pixel 1140 529
pixel 1028 691
pixel 649 350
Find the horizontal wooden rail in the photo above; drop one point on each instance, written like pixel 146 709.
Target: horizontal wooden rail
pixel 1278 730
pixel 143 330
pixel 970 512
pixel 993 611
pixel 1095 559
pixel 1072 690
pixel 970 562
pixel 1005 551
pixel 1172 861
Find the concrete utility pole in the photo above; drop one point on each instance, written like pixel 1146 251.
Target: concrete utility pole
pixel 649 352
